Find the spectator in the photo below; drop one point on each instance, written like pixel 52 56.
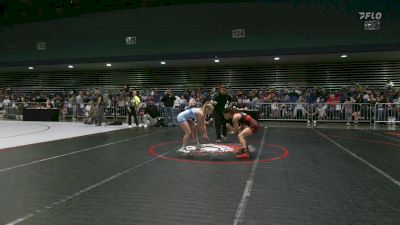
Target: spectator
pixel 182 104
pixel 240 104
pixel 389 85
pixel 144 119
pixel 6 101
pixel 79 104
pixel 90 113
pixel 192 103
pixel 357 109
pixel 49 104
pixel 132 103
pixel 100 107
pixel 169 101
pixel 348 109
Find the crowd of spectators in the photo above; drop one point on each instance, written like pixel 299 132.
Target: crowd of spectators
pixel 386 94
pixel 69 100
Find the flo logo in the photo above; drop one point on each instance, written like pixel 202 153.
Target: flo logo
pixel 370 15
pixel 371 20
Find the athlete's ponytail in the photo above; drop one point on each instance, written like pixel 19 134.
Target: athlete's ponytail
pixel 207 105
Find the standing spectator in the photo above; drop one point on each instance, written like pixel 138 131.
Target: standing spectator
pixel 357 109
pixel 348 109
pixel 100 107
pixel 121 104
pixel 80 107
pixel 397 108
pixel 389 85
pixel 125 90
pixel 72 103
pixel 220 100
pixel 6 101
pixel 332 102
pixel 182 104
pixel 169 100
pixel 300 106
pixel 132 102
pixel 177 102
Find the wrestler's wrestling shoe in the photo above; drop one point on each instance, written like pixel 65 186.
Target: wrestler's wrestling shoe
pixel 183 150
pixel 243 154
pixel 198 146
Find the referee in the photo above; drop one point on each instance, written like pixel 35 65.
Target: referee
pixel 219 100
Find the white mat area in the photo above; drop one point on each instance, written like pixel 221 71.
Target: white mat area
pixel 18 133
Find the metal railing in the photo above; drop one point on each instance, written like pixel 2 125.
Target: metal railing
pixel 326 112
pixel 387 113
pixel 277 111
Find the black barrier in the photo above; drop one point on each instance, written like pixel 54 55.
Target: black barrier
pixel 41 114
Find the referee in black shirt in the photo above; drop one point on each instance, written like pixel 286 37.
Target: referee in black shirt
pixel 220 99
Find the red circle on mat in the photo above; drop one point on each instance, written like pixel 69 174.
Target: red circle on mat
pixel 154 147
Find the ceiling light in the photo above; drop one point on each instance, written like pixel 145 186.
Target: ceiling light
pixel 343 56
pixel 277 58
pixel 216 60
pixel 163 63
pixel 31 68
pixel 70 66
pixel 108 64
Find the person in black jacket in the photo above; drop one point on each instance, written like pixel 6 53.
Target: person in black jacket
pixel 169 99
pixel 219 100
pixel 99 99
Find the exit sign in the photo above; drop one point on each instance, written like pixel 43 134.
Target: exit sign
pixel 238 33
pixel 41 45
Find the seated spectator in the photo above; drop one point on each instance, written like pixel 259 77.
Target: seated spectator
pixel 144 119
pixel 192 103
pixel 90 113
pixel 240 104
pixel 49 104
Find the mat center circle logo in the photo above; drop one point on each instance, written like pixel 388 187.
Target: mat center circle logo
pixel 163 151
pixel 212 148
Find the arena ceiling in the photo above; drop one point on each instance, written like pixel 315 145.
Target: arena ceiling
pixel 26 11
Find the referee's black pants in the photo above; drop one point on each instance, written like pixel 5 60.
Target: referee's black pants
pixel 220 121
pixel 131 112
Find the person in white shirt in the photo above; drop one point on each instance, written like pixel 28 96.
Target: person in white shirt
pixel 389 85
pixel 177 102
pixel 144 119
pixel 192 103
pixel 6 101
pixel 182 104
pixel 79 104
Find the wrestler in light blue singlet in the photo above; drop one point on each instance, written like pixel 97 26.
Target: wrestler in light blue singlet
pixel 188 115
